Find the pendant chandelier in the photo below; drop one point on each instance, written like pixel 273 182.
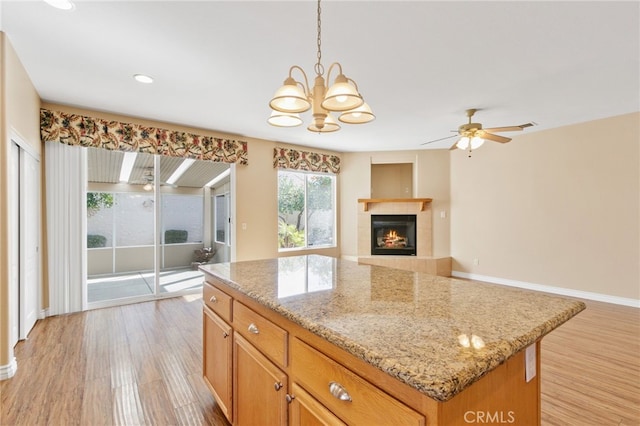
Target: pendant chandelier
pixel 342 97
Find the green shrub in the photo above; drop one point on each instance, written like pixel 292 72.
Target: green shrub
pixel 94 241
pixel 175 236
pixel 289 236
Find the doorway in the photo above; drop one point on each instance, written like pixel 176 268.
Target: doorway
pixel 148 225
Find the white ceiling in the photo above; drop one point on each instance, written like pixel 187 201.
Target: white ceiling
pixel 418 64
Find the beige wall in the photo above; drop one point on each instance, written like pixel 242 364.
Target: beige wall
pixel 431 180
pixel 392 180
pixel 557 207
pixel 19 105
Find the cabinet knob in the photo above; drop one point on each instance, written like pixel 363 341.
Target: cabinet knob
pixel 213 299
pixel 225 334
pixel 253 329
pixel 277 386
pixel 338 391
pixel 289 398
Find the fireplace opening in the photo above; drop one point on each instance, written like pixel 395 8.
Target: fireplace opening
pixel 393 234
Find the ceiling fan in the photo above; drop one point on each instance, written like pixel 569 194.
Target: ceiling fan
pixel 472 135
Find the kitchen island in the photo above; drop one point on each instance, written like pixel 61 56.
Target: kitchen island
pixel 318 340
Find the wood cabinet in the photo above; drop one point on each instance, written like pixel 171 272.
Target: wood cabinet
pixel 307 411
pixel 260 388
pixel 250 371
pixel 264 369
pixel 217 359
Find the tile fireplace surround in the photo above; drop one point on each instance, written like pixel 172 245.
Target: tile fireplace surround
pixel 423 261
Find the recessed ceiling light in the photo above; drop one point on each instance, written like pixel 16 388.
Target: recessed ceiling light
pixel 141 78
pixel 61 4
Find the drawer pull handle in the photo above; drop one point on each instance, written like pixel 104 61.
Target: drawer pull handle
pixel 339 391
pixel 213 299
pixel 253 329
pixel 277 386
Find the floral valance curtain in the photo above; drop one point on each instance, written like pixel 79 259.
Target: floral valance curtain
pixel 287 158
pixel 73 129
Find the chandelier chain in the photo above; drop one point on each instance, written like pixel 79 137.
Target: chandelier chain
pixel 318 67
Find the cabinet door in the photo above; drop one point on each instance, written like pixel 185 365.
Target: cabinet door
pixel 217 358
pixel 259 387
pixel 306 411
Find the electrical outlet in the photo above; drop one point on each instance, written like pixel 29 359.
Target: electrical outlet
pixel 476 261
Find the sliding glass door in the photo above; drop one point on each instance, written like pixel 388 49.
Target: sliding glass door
pixel 146 227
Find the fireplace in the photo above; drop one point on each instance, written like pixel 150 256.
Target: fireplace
pixel 393 234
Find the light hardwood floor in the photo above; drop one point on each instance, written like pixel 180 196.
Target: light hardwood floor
pixel 141 364
pixel 591 368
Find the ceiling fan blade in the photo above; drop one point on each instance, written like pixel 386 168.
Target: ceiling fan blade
pixel 489 136
pixel 438 140
pixel 509 128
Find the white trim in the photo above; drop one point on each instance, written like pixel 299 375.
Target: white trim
pixel 634 303
pixel 9 370
pixel 17 138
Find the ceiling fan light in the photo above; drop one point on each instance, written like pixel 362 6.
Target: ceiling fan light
pixel 342 96
pixel 330 125
pixel 359 115
pixel 290 98
pixel 463 143
pixel 476 142
pixel 284 119
pixel 148 186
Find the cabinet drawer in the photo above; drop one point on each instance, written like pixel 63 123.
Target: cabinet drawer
pixel 217 300
pixel 361 403
pixel 261 333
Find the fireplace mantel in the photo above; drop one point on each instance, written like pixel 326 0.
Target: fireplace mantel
pixel 367 201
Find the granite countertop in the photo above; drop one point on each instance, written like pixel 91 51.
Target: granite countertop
pixel 436 334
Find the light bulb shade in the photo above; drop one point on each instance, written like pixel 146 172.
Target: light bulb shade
pixel 148 186
pixel 359 115
pixel 342 96
pixel 330 125
pixel 476 142
pixel 463 143
pixel 284 119
pixel 290 98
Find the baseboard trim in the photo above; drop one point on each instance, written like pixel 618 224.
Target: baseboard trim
pixel 8 371
pixel 634 303
pixel 351 258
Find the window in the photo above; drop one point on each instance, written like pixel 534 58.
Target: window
pixel 182 218
pixel 221 219
pixel 306 210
